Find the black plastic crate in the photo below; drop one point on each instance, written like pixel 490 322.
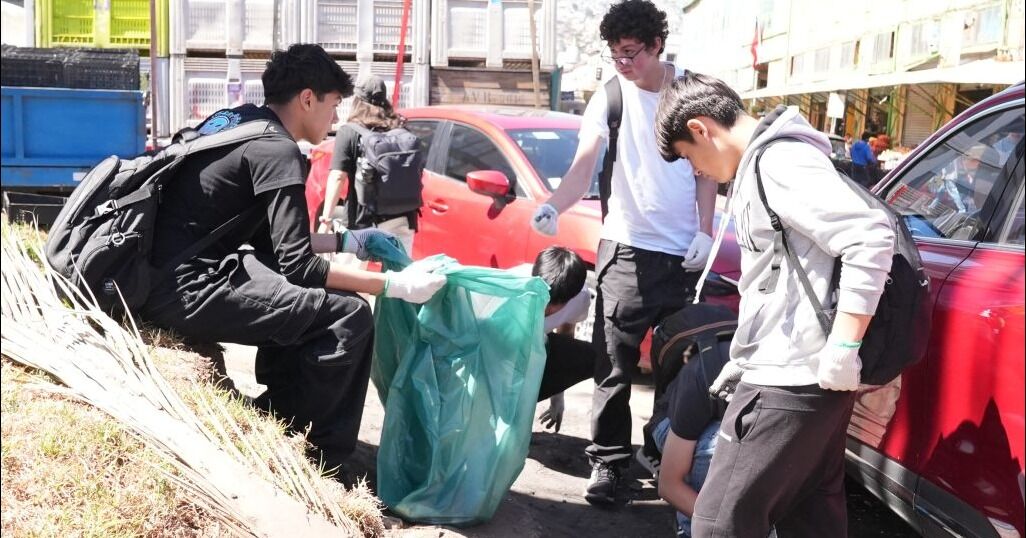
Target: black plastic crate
pixel 106 69
pixel 33 67
pixel 31 208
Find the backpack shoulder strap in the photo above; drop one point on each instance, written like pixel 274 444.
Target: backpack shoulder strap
pixel 614 115
pixel 360 129
pixel 247 131
pixel 186 142
pixel 781 246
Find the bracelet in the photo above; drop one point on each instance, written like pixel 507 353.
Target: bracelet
pixel 340 241
pixel 384 290
pixel 849 345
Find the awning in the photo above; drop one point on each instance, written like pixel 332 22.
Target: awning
pixel 989 71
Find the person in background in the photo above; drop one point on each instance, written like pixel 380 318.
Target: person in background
pixel 656 234
pixel 863 161
pixel 779 459
pixel 372 110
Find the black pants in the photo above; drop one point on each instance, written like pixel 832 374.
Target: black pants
pixel 636 289
pixel 863 175
pixel 314 345
pixel 779 462
pixel 568 362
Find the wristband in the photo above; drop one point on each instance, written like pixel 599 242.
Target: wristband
pixel 849 345
pixel 384 290
pixel 340 241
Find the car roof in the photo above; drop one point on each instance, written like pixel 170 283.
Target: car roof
pixel 504 117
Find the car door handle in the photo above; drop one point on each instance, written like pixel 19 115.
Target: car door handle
pixel 438 206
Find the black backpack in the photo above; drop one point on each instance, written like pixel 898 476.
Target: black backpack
pixel 102 238
pixel 388 171
pixel 692 331
pixel 898 333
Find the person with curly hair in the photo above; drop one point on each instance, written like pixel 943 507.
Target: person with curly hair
pixel 655 236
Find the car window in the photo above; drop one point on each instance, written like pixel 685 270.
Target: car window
pixel 1014 230
pixel 550 152
pixel 948 192
pixel 470 150
pixel 425 131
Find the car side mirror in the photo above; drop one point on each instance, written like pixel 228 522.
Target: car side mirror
pixel 489 183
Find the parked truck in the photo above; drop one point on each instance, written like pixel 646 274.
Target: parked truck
pixel 63 111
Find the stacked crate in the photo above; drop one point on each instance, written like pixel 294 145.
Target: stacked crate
pixel 485 33
pixel 218 51
pixel 363 35
pixel 117 24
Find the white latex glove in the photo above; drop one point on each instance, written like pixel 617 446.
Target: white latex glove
pixel 545 220
pixel 725 384
pixel 839 366
pixel 552 418
pixel 413 285
pixel 698 252
pixel 355 241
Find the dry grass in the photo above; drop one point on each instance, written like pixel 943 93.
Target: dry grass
pixel 69 469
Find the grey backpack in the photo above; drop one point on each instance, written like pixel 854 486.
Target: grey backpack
pixel 388 171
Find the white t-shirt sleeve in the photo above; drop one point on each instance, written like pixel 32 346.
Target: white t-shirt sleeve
pixel 574 311
pixel 595 119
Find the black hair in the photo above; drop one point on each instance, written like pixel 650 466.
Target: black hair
pixel 303 66
pixel 638 19
pixel 865 135
pixel 563 270
pixel 689 96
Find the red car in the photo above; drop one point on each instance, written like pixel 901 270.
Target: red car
pixel 943 445
pixel 487 171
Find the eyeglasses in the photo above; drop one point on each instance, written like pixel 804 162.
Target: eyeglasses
pixel 625 60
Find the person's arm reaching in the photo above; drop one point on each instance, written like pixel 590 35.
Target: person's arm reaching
pixel 574 186
pixel 705 198
pixel 338 182
pixel 675 465
pixel 701 245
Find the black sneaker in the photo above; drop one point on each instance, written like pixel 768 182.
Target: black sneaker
pixel 602 485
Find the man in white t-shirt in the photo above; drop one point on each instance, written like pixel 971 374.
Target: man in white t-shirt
pixel 568 361
pixel 655 237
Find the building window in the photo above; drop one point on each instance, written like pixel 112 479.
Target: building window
pixel 983 26
pixel 797 66
pixel 822 60
pixel 761 76
pixel 849 53
pixel 883 47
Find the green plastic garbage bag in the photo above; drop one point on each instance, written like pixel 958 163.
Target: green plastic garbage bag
pixel 459 377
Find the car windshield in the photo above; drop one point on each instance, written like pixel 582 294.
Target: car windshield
pixel 550 152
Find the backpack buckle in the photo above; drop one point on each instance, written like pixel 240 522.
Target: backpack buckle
pixel 117 239
pixel 106 207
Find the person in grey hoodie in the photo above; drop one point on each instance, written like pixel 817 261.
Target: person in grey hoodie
pixel 780 457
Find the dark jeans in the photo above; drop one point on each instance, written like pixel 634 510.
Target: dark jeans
pixel 568 361
pixel 779 462
pixel 636 289
pixel 314 344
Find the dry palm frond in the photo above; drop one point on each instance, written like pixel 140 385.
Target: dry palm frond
pixel 248 481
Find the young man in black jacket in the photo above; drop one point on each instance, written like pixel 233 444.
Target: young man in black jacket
pixel 313 331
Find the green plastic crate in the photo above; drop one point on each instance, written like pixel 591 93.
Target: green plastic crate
pixel 102 23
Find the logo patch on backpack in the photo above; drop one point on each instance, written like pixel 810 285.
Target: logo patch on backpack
pixel 221 120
